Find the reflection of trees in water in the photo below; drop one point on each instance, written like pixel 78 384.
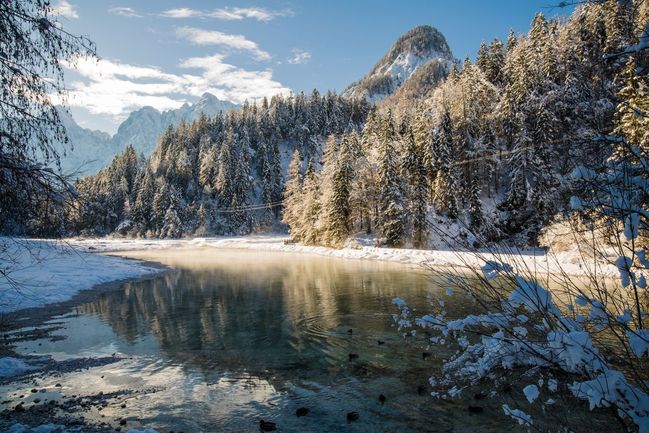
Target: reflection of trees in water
pixel 258 314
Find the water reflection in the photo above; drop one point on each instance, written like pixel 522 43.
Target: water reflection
pixel 231 337
pixel 254 312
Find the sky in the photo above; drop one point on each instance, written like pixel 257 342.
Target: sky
pixel 165 53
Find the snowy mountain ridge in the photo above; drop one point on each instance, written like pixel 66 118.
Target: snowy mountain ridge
pixel 420 46
pixel 89 151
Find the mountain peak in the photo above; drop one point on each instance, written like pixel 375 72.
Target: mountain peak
pixel 413 49
pixel 207 96
pixel 422 41
pixel 211 105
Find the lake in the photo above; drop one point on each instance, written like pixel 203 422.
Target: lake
pixel 229 337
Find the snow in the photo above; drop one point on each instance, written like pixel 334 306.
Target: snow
pixel 492 269
pixel 520 261
pixel 13 366
pixel 531 295
pixel 623 265
pixel 612 387
pixel 407 62
pixel 531 392
pixel 41 272
pixel 639 341
pixel 518 415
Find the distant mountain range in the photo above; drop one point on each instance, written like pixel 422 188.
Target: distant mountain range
pixel 423 50
pixel 89 151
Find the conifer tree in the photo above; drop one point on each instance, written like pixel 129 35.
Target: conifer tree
pixel 337 208
pixel 444 188
pixel 310 222
pixel 293 199
pixel 413 169
pixel 391 209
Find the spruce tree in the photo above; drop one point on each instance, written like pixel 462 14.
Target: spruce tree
pixel 310 222
pixel 391 209
pixel 444 188
pixel 337 206
pixel 293 199
pixel 414 170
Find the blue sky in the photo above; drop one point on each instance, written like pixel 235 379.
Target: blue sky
pixel 164 53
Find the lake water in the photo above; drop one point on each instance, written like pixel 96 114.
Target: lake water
pixel 231 337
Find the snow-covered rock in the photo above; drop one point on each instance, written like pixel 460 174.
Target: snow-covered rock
pixel 420 46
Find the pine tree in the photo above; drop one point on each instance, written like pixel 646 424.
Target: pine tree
pixel 414 170
pixel 337 206
pixel 143 206
pixel 632 113
pixel 475 205
pixel 208 169
pixel 172 225
pixel 310 223
pixel 160 205
pixel 391 209
pixel 293 199
pixel 444 189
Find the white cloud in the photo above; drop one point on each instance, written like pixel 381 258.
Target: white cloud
pixel 230 82
pixel 228 13
pixel 113 88
pixel 213 37
pixel 125 12
pixel 299 57
pixel 180 13
pixel 63 8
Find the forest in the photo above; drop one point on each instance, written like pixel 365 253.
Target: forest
pixel 486 156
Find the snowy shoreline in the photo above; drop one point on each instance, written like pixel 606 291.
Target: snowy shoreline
pixel 42 272
pixel 55 271
pixel 524 260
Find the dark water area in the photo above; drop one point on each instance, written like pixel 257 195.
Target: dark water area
pixel 227 338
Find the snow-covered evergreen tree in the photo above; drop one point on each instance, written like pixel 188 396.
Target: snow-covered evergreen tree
pixel 414 170
pixel 337 207
pixel 391 208
pixel 293 196
pixel 309 227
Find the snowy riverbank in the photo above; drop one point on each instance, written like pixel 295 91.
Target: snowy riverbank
pixel 538 260
pixel 42 272
pixel 35 273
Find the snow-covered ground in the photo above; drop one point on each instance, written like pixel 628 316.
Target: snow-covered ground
pixel 41 272
pixel 538 261
pixel 34 273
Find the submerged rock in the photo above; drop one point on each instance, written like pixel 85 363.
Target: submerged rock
pixel 352 416
pixel 267 425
